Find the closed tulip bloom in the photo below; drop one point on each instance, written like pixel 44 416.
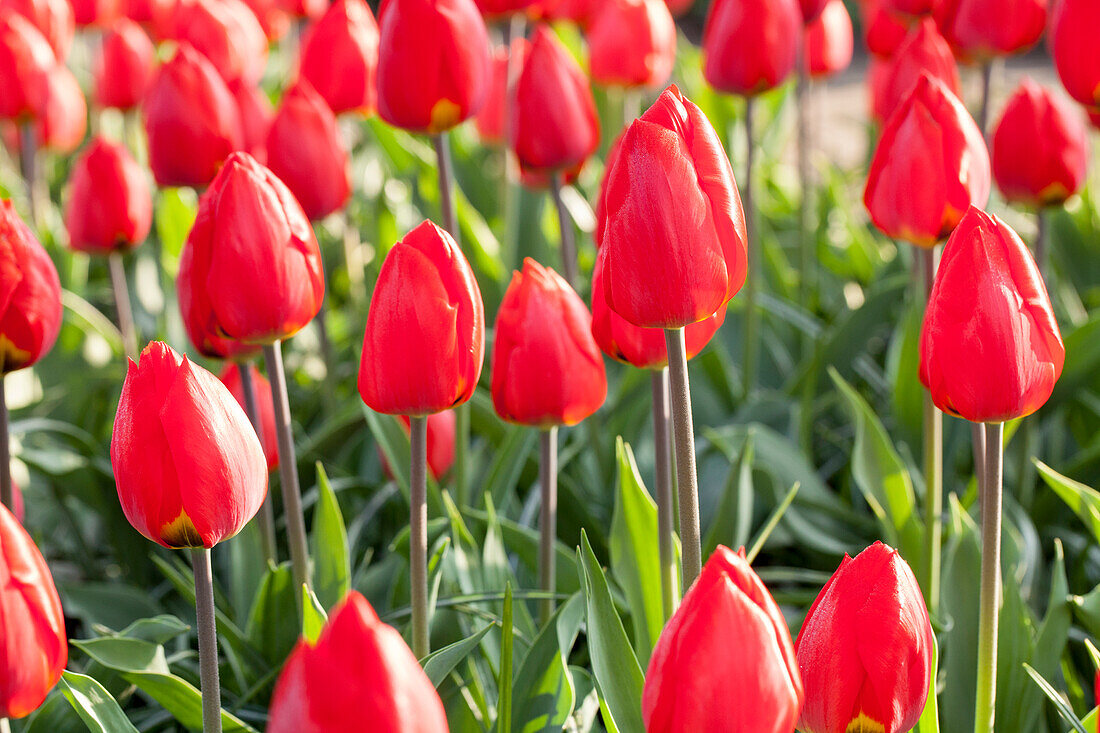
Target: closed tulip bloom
pixel 830 41
pixel 990 348
pixel 359 670
pixel 110 207
pixel 305 150
pixel 547 369
pixel 34 647
pixel 53 18
pixel 883 30
pixel 984 29
pixel 490 120
pixel 750 46
pixel 126 66
pixel 256 116
pixel 924 51
pixel 346 38
pixel 865 648
pixel 30 295
pixel 224 31
pixel 1072 40
pixel 231 378
pixel 555 125
pixel 425 337
pixel 724 661
pixel 497 9
pixel 96 13
pixel 674 231
pixel 632 44
pixel 1040 148
pixel 26 60
pixel 191 119
pixel 62 119
pixel 433 63
pixel 249 222
pixel 189 469
pixel 930 166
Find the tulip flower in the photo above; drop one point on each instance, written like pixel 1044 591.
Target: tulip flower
pixel 883 29
pixel 924 51
pixel 30 295
pixel 930 166
pixel 502 9
pixel 829 41
pixel 346 38
pixel 274 20
pixel 110 208
pixel 96 13
pixel 34 647
pixel 725 661
pixel 226 32
pixel 914 8
pixel 865 649
pixel 811 9
pixel 579 12
pixel 61 119
pixel 26 63
pixel 125 67
pixel 632 44
pixel 983 29
pixel 53 18
pixel 359 669
pixel 191 119
pixel 491 120
pixel 1072 40
pixel 306 152
pixel 305 9
pixel 256 117
pixel 750 46
pixel 147 13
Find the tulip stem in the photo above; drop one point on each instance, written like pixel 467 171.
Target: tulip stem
pixel 208 641
pixel 987 91
pixel 991 578
pixel 752 284
pixel 687 482
pixel 28 146
pixel 977 441
pixel 446 186
pixel 805 241
pixel 568 245
pixel 267 511
pixel 1041 240
pixel 418 534
pixel 121 291
pixel 662 450
pixel 548 518
pixel 288 470
pixel 5 450
pixel 933 466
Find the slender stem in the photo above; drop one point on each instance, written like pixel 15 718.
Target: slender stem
pixel 208 641
pixel 5 450
pixel 752 340
pixel 933 466
pixel 288 470
pixel 987 90
pixel 121 291
pixel 514 30
pixel 418 535
pixel 28 147
pixel 267 511
pixel 662 448
pixel 687 481
pixel 446 186
pixel 805 218
pixel 977 443
pixel 565 222
pixel 1041 235
pixel 548 518
pixel 990 596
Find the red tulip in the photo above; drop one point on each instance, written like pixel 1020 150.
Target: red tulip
pixel 497 9
pixel 883 30
pixel 579 12
pixel 632 44
pixel 191 119
pixel 1040 148
pixel 256 116
pixel 673 233
pixel 273 19
pixel 30 295
pixel 148 13
pixel 811 9
pixel 346 38
pixel 231 378
pixel 26 61
pixel 96 13
pixel 547 369
pixel 990 349
pixel 441 443
pixel 865 648
pixel 189 469
pixel 930 166
pixel 425 336
pixel 750 46
pixel 724 661
pixel 224 31
pixel 359 670
pixel 433 63
pixel 311 9
pixel 305 150
pixel 110 207
pixel 914 8
pixel 33 647
pixel 829 41
pixel 53 18
pixel 62 118
pixel 490 120
pixel 983 29
pixel 249 222
pixel 126 67
pixel 555 125
pixel 1073 46
pixel 924 51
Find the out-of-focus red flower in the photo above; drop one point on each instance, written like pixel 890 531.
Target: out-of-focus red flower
pixel 883 29
pixel 930 166
pixel 96 13
pixel 695 680
pixel 750 46
pixel 830 41
pixel 1072 40
pixel 632 43
pixel 265 405
pixel 924 51
pixel 490 120
pixel 990 348
pixel 150 14
pixel 441 443
pixel 359 670
pixel 53 18
pixel 865 648
pixel 30 295
pixel 811 9
pixel 224 31
pixel 110 207
pixel 983 29
pixel 125 68
pixel 579 12
pixel 311 9
pixel 26 61
pixel 62 118
pixel 340 57
pixel 497 9
pixel 256 116
pixel 273 19
pixel 912 8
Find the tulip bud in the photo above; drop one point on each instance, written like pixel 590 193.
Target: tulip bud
pixel 724 661
pixel 984 29
pixel 830 41
pixel 750 46
pixel 96 13
pixel 924 51
pixel 189 469
pixel 226 32
pixel 490 120
pixel 930 166
pixel 865 648
pixel 1072 40
pixel 306 152
pixel 256 117
pixel 126 67
pixel 110 207
pixel 53 18
pixel 248 221
pixel 62 117
pixel 990 349
pixel 442 45
pixel 346 38
pixel 883 29
pixel 632 44
pixel 674 231
pixel 231 378
pixel 547 369
pixel 555 125
pixel 30 295
pixel 26 60
pixel 1040 148
pixel 425 337
pixel 191 119
pixel 33 647
pixel 359 670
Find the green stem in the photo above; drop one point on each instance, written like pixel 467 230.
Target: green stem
pixel 121 291
pixel 548 518
pixel 208 641
pixel 933 467
pixel 990 596
pixel 5 450
pixel 662 449
pixel 28 147
pixel 687 481
pixel 266 517
pixel 977 443
pixel 418 535
pixel 752 325
pixel 805 218
pixel 446 186
pixel 462 453
pixel 565 223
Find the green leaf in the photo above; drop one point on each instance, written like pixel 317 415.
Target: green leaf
pixel 1083 500
pixel 95 706
pixel 313 616
pixel 1060 704
pixel 439 664
pixel 158 629
pixel 544 694
pixel 329 546
pixel 930 719
pixel 273 626
pixel 773 522
pixel 961 578
pixel 504 675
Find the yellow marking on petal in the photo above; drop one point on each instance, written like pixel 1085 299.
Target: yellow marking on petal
pixel 181 532
pixel 11 357
pixel 863 724
pixel 445 115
